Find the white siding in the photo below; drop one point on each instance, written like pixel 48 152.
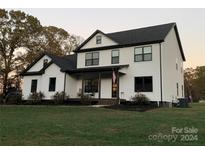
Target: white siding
pixel 146 68
pixel 170 55
pixel 43 82
pixel 105 42
pixel 39 65
pixel 71 86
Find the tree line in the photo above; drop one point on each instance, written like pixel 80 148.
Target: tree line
pixel 22 39
pixel 194 82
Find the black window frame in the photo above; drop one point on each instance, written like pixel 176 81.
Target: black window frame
pixel 92 61
pixel 98 39
pixel 45 62
pixel 143 85
pixel 113 58
pixel 34 84
pixel 52 86
pixel 142 54
pixel 177 86
pixel 91 85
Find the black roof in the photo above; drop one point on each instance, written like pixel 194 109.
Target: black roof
pixel 141 35
pixel 66 63
pixel 134 37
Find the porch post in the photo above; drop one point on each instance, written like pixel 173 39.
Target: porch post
pixel 99 85
pixel 82 91
pixel 118 88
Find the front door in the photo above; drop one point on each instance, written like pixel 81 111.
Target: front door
pixel 114 85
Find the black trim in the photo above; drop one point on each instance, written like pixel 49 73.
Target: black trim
pixel 64 85
pixel 179 42
pixel 32 64
pixel 42 71
pixel 118 46
pixel 143 54
pixel 160 63
pixel 97 69
pixel 89 38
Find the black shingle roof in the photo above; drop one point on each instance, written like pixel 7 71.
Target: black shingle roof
pixel 134 37
pixel 141 35
pixel 67 63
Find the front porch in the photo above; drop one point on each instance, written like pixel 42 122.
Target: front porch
pixel 99 84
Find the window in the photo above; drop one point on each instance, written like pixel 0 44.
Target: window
pixel 177 89
pixel 182 91
pixel 45 61
pixel 33 86
pixel 98 39
pixel 52 84
pixel 115 57
pixel 143 84
pixel 143 54
pixel 92 59
pixel 176 64
pixel 91 85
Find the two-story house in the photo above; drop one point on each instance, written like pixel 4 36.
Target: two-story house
pixel 114 66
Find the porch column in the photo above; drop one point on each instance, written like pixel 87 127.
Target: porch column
pixel 118 88
pixel 99 85
pixel 82 91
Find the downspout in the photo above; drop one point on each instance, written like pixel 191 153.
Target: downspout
pixel 64 86
pixel 160 60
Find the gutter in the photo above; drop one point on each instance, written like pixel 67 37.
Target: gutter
pixel 160 59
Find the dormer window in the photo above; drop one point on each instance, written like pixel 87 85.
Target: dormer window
pixel 45 62
pixel 98 39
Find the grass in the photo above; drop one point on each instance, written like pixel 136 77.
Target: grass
pixel 77 125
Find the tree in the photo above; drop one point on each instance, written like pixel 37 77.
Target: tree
pixel 194 81
pixel 23 38
pixel 16 30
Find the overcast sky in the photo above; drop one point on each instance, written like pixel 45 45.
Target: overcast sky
pixel 83 22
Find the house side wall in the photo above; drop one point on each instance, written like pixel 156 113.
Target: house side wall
pixel 39 65
pixel 105 42
pixel 43 82
pixel 135 69
pixel 71 86
pixel 170 56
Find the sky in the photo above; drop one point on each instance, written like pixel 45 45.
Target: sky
pixel 83 22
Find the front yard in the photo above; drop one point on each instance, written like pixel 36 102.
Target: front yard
pixel 78 125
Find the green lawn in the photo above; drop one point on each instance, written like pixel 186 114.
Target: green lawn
pixel 77 125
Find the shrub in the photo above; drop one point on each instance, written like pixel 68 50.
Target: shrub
pixel 59 97
pixel 86 99
pixel 13 98
pixel 1 98
pixel 36 97
pixel 139 99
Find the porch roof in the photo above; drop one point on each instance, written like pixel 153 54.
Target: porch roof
pixel 97 69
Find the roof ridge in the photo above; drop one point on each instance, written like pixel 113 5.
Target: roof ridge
pixel 140 28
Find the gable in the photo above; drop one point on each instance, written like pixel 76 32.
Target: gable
pixel 91 41
pixel 177 43
pixel 39 64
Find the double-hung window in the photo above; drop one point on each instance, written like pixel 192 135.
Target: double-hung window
pixel 34 85
pixel 98 39
pixel 91 85
pixel 143 54
pixel 143 84
pixel 52 84
pixel 92 58
pixel 115 57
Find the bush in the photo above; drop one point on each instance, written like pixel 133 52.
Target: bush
pixel 59 97
pixel 86 99
pixel 1 98
pixel 36 97
pixel 13 98
pixel 139 99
